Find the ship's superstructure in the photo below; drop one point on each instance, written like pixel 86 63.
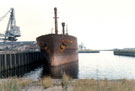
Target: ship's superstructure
pixel 58 48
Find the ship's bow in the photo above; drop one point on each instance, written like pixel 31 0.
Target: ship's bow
pixel 58 49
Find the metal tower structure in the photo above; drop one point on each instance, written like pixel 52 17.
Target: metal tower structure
pixel 12 31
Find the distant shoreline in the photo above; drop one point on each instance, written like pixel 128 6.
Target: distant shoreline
pixel 88 51
pixel 125 52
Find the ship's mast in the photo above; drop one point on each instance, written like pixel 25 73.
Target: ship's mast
pixel 56 22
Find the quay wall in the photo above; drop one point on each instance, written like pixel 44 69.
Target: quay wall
pixel 14 59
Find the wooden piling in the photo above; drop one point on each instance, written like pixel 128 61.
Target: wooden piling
pixel 13 59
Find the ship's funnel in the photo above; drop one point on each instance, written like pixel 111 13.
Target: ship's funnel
pixel 56 22
pixel 63 27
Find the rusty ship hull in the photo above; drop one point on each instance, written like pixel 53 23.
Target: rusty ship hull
pixel 58 49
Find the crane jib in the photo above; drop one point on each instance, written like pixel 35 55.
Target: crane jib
pixel 12 31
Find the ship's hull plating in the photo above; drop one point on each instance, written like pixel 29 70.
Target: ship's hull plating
pixel 58 49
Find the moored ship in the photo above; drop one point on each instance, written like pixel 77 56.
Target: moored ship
pixel 58 48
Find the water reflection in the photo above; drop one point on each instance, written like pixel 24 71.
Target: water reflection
pixel 57 72
pixel 93 65
pixel 19 71
pixel 36 71
pixel 106 65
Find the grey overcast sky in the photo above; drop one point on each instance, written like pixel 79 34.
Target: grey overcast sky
pixel 99 24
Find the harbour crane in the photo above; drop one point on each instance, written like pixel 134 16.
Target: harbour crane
pixel 12 31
